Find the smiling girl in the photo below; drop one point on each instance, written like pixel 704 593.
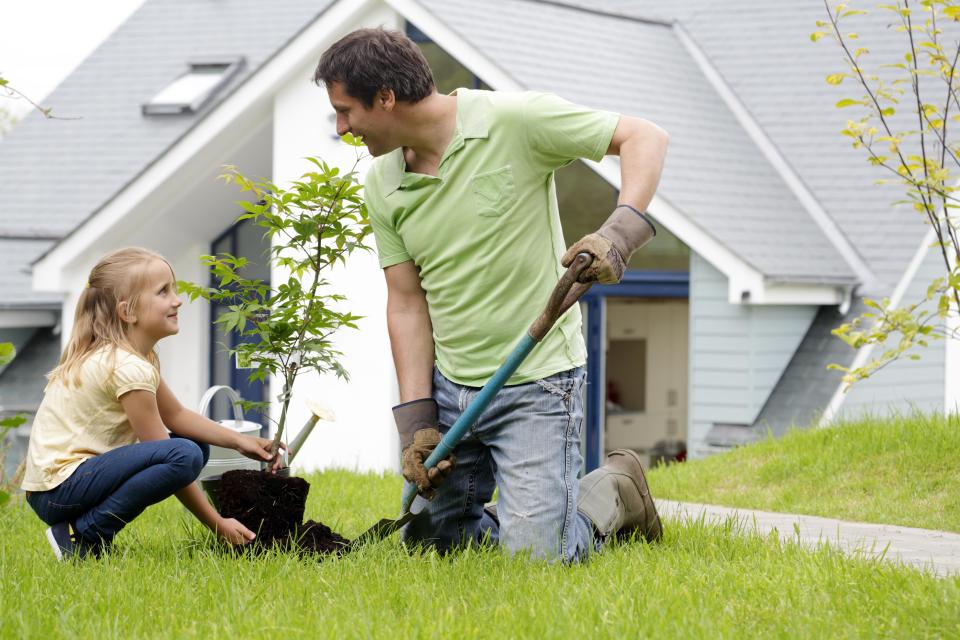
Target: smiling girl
pixel 99 450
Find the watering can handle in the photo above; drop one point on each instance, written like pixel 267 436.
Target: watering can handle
pixel 234 402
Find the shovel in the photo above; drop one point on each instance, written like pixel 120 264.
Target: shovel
pixel 564 295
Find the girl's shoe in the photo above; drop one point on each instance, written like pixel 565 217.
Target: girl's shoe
pixel 67 543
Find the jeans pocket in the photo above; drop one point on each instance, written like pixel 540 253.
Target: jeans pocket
pixel 494 192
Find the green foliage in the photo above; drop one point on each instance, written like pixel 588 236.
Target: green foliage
pixel 286 328
pixel 923 160
pixel 7 354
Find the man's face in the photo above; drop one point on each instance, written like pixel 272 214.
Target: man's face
pixel 373 124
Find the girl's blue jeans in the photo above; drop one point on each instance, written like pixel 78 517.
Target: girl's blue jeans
pixel 527 444
pixel 106 492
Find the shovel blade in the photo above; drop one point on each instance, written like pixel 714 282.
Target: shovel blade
pixel 381 530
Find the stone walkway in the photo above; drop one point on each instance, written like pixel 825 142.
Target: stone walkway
pixel 935 551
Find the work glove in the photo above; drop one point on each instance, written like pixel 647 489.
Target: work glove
pixel 417 423
pixel 611 246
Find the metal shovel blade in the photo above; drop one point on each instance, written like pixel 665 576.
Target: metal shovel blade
pixel 379 531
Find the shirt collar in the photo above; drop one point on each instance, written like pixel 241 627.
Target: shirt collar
pixel 472 122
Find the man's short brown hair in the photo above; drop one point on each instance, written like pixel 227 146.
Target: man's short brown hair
pixel 368 60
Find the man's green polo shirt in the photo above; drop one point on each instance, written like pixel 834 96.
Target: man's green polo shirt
pixel 486 233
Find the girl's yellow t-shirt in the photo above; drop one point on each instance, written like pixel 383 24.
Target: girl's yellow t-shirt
pixel 76 423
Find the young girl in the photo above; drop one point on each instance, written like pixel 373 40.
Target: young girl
pixel 99 453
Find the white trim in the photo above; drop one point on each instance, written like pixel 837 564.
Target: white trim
pixel 777 161
pixel 745 284
pixel 863 354
pixel 16 318
pixel 457 46
pixel 951 394
pixel 254 95
pixel 745 281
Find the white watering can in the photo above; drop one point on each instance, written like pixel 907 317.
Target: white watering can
pixel 223 459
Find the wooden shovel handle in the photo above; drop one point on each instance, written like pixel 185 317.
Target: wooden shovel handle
pixel 564 295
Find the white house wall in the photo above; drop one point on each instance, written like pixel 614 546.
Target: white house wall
pixel 737 352
pixel 905 384
pixel 363 437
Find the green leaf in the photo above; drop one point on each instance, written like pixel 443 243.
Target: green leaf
pixel 7 353
pixel 836 78
pixel 848 102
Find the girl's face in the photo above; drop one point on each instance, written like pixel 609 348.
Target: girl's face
pixel 156 313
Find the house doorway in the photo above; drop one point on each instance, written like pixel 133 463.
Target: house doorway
pixel 637 366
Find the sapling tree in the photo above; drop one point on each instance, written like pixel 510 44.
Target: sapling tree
pixel 7 354
pixel 287 329
pixel 909 112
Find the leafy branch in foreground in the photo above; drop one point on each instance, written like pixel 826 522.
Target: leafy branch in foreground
pixel 921 158
pixel 287 329
pixel 7 354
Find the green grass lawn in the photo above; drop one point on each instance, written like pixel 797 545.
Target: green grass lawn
pixel 165 579
pixel 903 471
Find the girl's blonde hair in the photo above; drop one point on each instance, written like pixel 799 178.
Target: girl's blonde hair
pixel 119 276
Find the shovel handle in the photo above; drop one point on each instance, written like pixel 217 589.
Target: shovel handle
pixel 567 292
pixel 564 295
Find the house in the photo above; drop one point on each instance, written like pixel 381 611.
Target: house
pixel 771 229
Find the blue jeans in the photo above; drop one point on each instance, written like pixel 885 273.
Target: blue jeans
pixel 106 492
pixel 526 443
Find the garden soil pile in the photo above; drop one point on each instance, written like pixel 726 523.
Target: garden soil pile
pixel 272 507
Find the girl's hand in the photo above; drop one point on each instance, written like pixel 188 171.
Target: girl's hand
pixel 233 532
pixel 259 449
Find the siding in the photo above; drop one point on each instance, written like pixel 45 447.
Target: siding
pixel 905 384
pixel 737 352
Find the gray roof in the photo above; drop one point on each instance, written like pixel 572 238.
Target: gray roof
pixel 620 55
pixel 66 170
pixel 714 173
pixel 16 254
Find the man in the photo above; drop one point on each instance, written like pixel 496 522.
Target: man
pixel 461 200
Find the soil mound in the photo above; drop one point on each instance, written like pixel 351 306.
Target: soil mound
pixel 272 506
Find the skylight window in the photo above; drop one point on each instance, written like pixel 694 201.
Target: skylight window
pixel 192 90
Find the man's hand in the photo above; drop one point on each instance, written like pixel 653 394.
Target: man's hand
pixel 611 246
pixel 259 449
pixel 417 424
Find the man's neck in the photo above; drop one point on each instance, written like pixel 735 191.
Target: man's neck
pixel 430 128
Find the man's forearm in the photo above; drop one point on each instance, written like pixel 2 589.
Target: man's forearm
pixel 411 340
pixel 642 155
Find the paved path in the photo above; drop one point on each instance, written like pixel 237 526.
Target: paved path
pixel 936 551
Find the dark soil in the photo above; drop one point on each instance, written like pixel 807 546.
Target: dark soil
pixel 272 507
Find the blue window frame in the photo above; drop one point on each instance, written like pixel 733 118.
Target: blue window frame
pixel 242 239
pixel 638 284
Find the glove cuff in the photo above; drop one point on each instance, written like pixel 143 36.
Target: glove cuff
pixel 413 416
pixel 627 229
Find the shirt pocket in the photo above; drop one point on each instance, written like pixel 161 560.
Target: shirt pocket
pixel 493 192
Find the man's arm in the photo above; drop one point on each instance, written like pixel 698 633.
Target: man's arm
pixel 642 147
pixel 411 334
pixel 411 340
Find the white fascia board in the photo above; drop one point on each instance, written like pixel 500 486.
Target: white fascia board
pixel 255 94
pixel 745 284
pixel 951 395
pixel 18 318
pixel 454 44
pixel 863 354
pixel 779 163
pixel 745 281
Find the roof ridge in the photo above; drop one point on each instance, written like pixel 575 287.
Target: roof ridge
pixel 777 160
pixel 601 12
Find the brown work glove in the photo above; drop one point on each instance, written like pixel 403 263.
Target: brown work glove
pixel 417 423
pixel 611 246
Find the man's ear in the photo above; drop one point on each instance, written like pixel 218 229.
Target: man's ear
pixel 123 311
pixel 385 99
